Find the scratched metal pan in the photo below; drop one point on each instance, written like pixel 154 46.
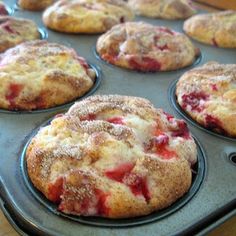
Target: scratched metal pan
pixel 213 202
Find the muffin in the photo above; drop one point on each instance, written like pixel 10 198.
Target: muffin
pixel 112 156
pixel 34 5
pixel 171 9
pixel 86 16
pixel 218 29
pixel 145 47
pixel 39 74
pixel 14 31
pixel 208 95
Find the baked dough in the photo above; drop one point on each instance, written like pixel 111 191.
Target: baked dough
pixel 86 16
pixel 3 10
pixel 112 156
pixel 14 31
pixel 218 29
pixel 34 5
pixel 145 47
pixel 39 74
pixel 208 95
pixel 165 9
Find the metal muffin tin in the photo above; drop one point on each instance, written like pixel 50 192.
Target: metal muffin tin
pixel 214 202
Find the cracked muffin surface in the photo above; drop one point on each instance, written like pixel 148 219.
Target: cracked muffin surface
pixel 112 156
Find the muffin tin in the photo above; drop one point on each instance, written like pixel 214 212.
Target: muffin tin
pixel 213 200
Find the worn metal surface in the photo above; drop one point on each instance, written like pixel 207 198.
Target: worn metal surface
pixel 216 196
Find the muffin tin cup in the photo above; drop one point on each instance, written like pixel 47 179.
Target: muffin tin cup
pixel 176 106
pixel 198 174
pixel 66 105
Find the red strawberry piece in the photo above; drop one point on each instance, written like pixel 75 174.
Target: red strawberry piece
pixel 214 124
pixel 13 92
pixel 3 10
pixel 101 206
pixel 88 117
pixel 55 190
pixel 110 57
pixel 119 172
pixel 83 62
pixel 214 87
pixel 144 64
pixel 193 100
pixel 116 120
pixel 159 145
pixel 168 116
pixel 138 185
pixel 182 130
pixel 84 205
pixel 165 153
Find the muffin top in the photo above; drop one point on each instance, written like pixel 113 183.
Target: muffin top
pixel 145 47
pixel 208 95
pixel 86 16
pixel 34 5
pixel 171 9
pixel 218 29
pixel 112 156
pixel 14 31
pixel 38 74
